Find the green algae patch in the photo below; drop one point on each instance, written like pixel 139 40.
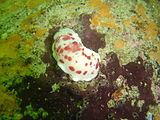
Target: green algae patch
pixel 9 46
pixel 7 101
pixel 11 65
pixel 56 87
pixel 30 111
pixel 9 108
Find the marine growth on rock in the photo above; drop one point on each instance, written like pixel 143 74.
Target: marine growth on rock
pixel 81 63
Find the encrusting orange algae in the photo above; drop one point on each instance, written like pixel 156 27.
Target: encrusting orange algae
pixel 147 26
pixel 119 44
pixel 34 3
pixel 103 12
pixel 40 32
pixel 26 23
pixel 9 46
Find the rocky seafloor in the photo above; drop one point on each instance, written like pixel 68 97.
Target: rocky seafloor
pixel 125 33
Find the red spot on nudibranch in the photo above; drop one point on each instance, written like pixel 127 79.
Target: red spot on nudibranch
pixel 65 56
pixel 59 47
pixel 76 61
pixel 92 72
pixel 61 51
pixel 90 63
pixel 75 43
pixel 67 48
pixel 61 61
pixel 97 64
pixel 88 57
pixel 58 39
pixel 76 46
pixel 86 64
pixel 78 72
pixel 85 72
pixel 69 58
pixel 73 47
pixel 83 53
pixel 70 34
pixel 66 37
pixel 71 68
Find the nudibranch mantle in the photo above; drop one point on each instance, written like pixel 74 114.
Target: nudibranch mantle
pixel 81 63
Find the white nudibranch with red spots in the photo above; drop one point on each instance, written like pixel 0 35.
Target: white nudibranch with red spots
pixel 81 63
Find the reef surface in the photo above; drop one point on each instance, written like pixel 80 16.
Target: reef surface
pixel 125 33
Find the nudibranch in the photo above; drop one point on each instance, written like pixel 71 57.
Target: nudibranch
pixel 81 63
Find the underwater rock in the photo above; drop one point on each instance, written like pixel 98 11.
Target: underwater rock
pixel 129 100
